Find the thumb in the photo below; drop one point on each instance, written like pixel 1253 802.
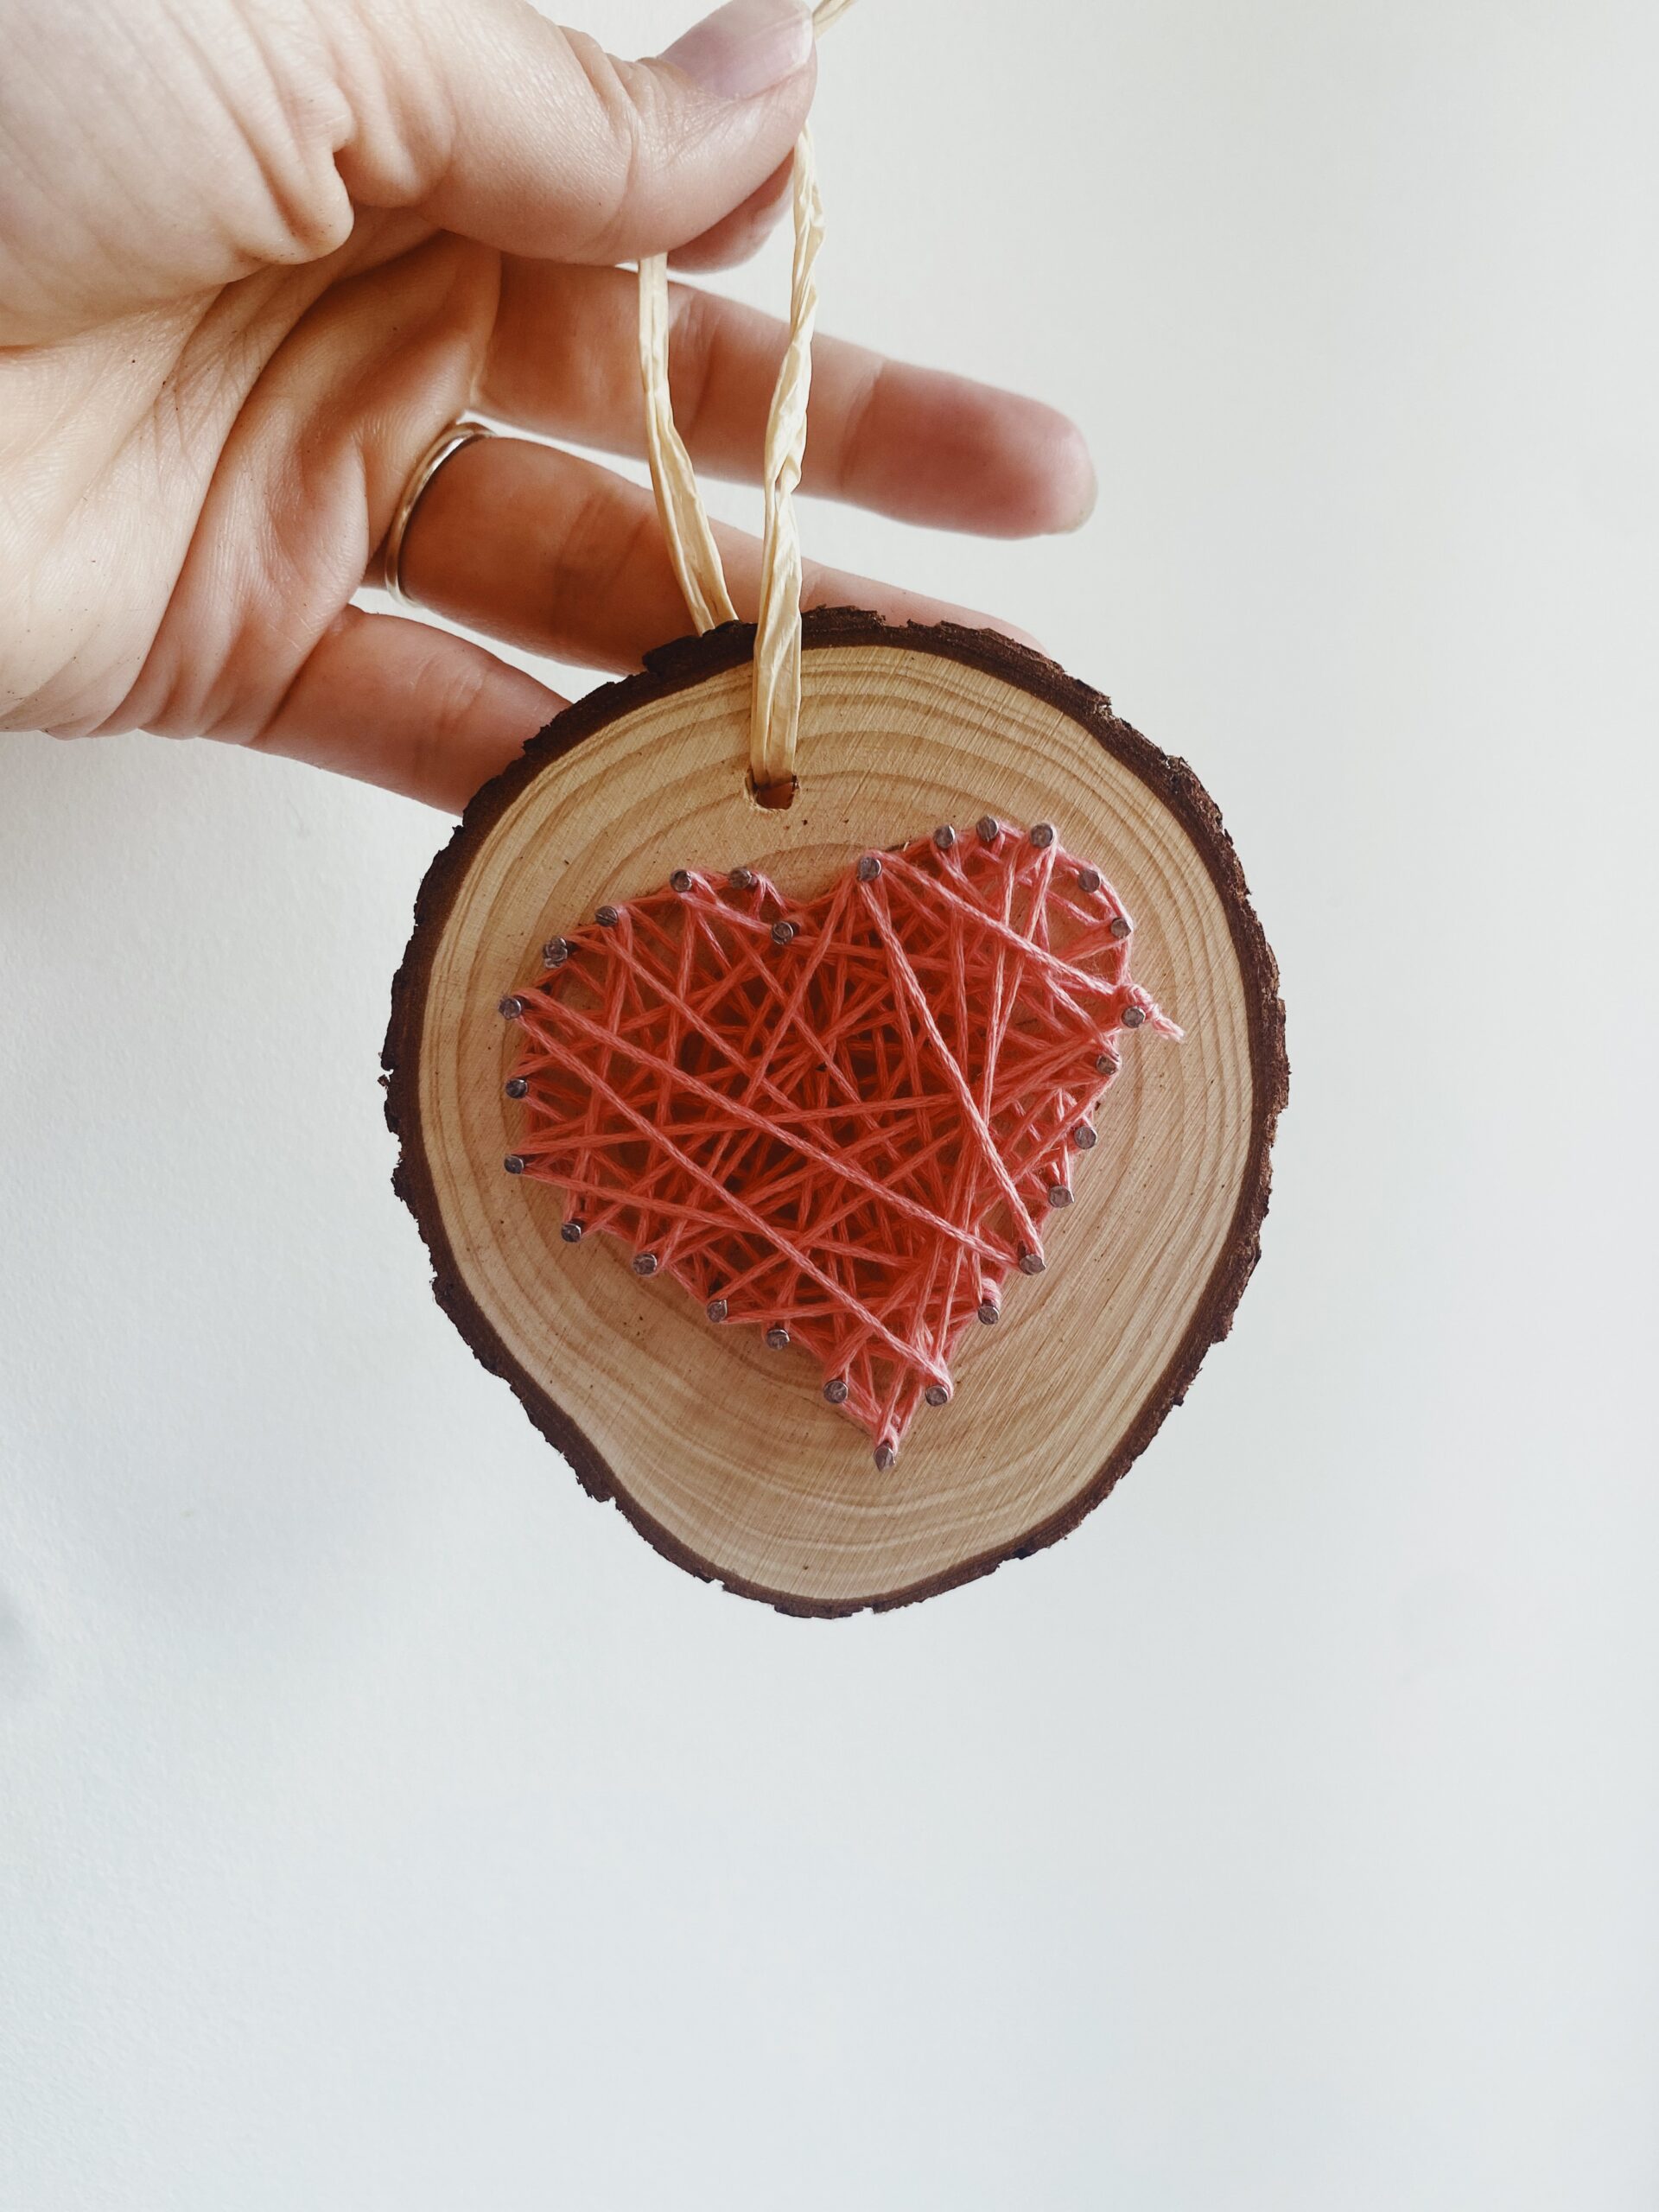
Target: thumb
pixel 493 122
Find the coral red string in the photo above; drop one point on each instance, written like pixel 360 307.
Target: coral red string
pixel 845 1121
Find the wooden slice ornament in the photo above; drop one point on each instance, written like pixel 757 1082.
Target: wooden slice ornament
pixel 835 1073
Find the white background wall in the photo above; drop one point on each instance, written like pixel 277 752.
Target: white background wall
pixel 384 1826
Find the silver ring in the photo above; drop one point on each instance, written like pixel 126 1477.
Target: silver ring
pixel 446 443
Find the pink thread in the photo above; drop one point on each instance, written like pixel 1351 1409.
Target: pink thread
pixel 847 1118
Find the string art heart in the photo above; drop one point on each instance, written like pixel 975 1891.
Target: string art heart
pixel 845 1121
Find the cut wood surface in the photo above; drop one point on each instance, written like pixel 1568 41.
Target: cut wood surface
pixel 721 1451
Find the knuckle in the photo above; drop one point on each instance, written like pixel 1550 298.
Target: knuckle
pixel 450 689
pixel 628 107
pixel 694 342
pixel 858 423
pixel 599 542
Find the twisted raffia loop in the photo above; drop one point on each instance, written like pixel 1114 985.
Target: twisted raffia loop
pixel 685 520
pixel 775 713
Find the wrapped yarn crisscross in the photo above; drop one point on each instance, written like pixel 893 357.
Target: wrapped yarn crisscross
pixel 847 1122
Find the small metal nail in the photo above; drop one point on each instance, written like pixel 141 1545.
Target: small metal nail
pixel 778 1336
pixel 1089 879
pixel 1031 1263
pixel 555 952
pixel 1086 1136
pixel 608 917
pixel 945 837
pixel 989 829
pixel 680 881
pixel 1042 833
pixel 868 869
pixel 990 1311
pixel 1106 1063
pixel 510 1007
pixel 1059 1195
pixel 1133 1016
pixel 836 1390
pixel 514 1163
pixel 937 1395
pixel 516 1086
pixel 1118 927
pixel 571 1232
pixel 742 878
pixel 644 1263
pixel 886 1454
pixel 717 1309
pixel 783 932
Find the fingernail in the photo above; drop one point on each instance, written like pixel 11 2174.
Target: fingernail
pixel 1089 493
pixel 745 48
pixel 1073 485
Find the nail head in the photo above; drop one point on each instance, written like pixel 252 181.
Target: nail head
pixel 783 932
pixel 1133 1016
pixel 555 952
pixel 1118 927
pixel 514 1163
pixel 1086 1136
pixel 1042 833
pixel 1089 879
pixel 836 1390
pixel 510 1007
pixel 868 869
pixel 516 1086
pixel 571 1232
pixel 885 1456
pixel 680 881
pixel 945 837
pixel 1031 1263
pixel 990 1311
pixel 607 918
pixel 778 1336
pixel 742 878
pixel 937 1395
pixel 644 1263
pixel 717 1309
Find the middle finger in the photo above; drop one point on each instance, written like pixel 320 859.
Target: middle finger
pixel 917 444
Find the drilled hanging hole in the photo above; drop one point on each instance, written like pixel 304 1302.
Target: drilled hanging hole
pixel 776 796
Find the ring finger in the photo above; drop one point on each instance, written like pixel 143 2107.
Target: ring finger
pixel 563 557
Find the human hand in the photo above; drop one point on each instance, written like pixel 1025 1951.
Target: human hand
pixel 255 255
